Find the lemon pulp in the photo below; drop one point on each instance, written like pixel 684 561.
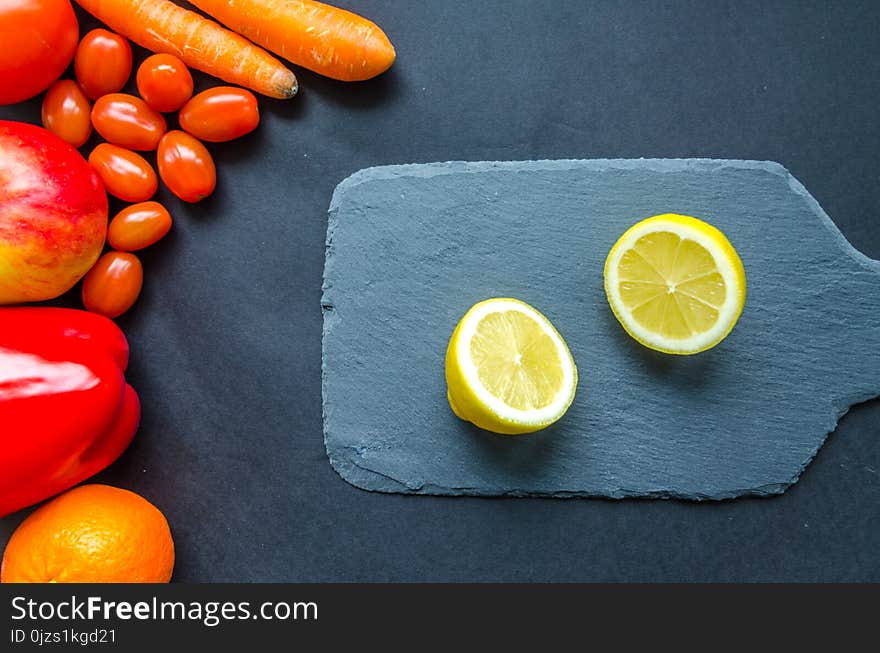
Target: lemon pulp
pixel 516 360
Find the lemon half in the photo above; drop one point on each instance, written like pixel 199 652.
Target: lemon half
pixel 675 283
pixel 507 369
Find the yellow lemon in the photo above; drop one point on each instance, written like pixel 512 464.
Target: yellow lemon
pixel 675 283
pixel 507 369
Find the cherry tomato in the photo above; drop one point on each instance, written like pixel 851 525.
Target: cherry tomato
pixel 126 175
pixel 186 166
pixel 113 284
pixel 102 63
pixel 138 226
pixel 37 42
pixel 164 82
pixel 220 114
pixel 127 121
pixel 66 112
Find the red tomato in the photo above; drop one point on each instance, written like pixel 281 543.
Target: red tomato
pixel 126 175
pixel 37 42
pixel 186 166
pixel 102 63
pixel 138 226
pixel 113 284
pixel 66 112
pixel 220 114
pixel 164 82
pixel 127 121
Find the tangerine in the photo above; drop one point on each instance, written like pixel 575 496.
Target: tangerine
pixel 91 534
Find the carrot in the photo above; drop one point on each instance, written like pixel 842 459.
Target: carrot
pixel 162 26
pixel 327 40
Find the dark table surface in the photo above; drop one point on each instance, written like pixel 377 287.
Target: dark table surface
pixel 226 337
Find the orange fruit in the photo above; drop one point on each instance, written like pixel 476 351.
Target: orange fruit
pixel 91 534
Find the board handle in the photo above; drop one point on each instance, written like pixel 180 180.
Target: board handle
pixel 858 342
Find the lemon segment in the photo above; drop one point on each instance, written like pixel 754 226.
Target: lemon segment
pixel 507 368
pixel 675 283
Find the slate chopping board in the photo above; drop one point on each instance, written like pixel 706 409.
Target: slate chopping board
pixel 411 248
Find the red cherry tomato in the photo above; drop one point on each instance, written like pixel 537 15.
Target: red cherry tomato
pixel 67 112
pixel 37 42
pixel 113 284
pixel 138 226
pixel 127 121
pixel 186 166
pixel 126 175
pixel 220 114
pixel 164 82
pixel 102 63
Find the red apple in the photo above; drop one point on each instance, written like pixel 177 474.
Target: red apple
pixel 53 214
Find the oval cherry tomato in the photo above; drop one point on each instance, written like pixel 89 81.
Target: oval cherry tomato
pixel 186 166
pixel 138 226
pixel 127 121
pixel 102 63
pixel 67 112
pixel 113 284
pixel 164 82
pixel 126 175
pixel 37 42
pixel 220 114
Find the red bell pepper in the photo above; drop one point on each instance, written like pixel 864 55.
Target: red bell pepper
pixel 66 411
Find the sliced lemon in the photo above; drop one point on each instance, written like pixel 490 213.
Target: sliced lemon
pixel 675 283
pixel 507 369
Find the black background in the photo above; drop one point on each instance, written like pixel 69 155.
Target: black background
pixel 226 335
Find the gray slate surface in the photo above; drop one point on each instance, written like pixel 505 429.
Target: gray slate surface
pixel 411 248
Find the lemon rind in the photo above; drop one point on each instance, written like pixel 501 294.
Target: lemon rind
pixel 509 420
pixel 727 262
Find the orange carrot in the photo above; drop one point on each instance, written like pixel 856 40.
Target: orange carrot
pixel 327 40
pixel 162 26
